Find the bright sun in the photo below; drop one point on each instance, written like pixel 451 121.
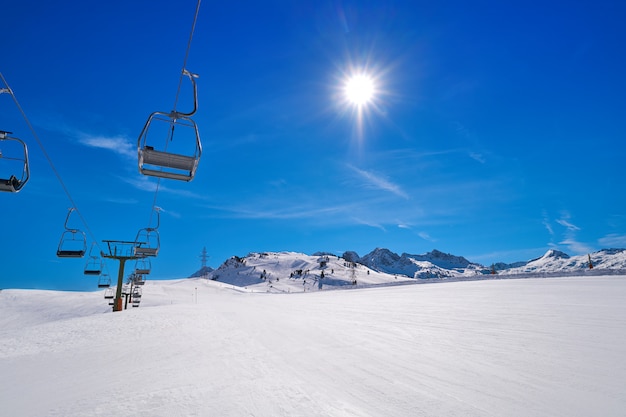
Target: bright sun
pixel 359 90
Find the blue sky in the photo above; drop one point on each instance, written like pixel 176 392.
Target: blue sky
pixel 496 131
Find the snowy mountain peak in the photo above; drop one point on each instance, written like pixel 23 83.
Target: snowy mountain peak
pixel 379 257
pixel 441 259
pixel 553 253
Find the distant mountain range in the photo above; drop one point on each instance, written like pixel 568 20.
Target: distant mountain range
pixel 291 271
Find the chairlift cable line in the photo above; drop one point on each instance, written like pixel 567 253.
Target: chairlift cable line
pixel 193 28
pixel 43 150
pixel 180 82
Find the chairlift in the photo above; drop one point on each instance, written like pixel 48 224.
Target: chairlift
pixel 109 293
pixel 147 242
pixel 161 163
pixel 73 242
pixel 139 279
pixel 135 302
pixel 13 159
pixel 104 281
pixel 143 266
pixel 94 263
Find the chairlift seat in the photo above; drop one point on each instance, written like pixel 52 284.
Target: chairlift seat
pixel 140 251
pixel 70 253
pixel 93 271
pixel 168 160
pixel 142 271
pixel 11 185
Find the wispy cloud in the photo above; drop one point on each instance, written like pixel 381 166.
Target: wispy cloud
pixel 567 224
pixel 370 223
pixel 546 222
pixel 613 240
pixel 144 183
pixel 285 212
pixel 376 181
pixel 576 246
pixel 126 201
pixel 570 240
pixel 425 236
pixel 117 144
pixel 477 157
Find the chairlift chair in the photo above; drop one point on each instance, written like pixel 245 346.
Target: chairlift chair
pixel 104 281
pixel 109 293
pixel 94 263
pixel 73 242
pixel 147 241
pixel 161 163
pixel 139 279
pixel 143 266
pixel 19 161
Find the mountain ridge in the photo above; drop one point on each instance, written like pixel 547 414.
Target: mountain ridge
pixel 292 271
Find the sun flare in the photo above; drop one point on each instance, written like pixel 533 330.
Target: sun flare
pixel 359 89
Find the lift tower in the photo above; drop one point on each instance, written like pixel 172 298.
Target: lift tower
pixel 122 251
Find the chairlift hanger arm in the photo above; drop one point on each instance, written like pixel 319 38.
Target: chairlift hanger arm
pixel 177 114
pixel 13 183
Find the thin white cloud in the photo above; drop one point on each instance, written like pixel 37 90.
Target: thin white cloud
pixel 567 224
pixel 477 157
pixel 613 240
pixel 370 223
pixel 547 225
pixel 145 183
pixel 117 144
pixel 126 201
pixel 575 246
pixel 379 182
pixel 425 236
pixel 282 213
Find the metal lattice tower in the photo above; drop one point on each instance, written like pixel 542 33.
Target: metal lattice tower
pixel 204 257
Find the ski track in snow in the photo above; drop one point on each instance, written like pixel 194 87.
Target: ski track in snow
pixel 531 347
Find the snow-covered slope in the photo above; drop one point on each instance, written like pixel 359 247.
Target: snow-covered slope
pixel 196 347
pixel 297 272
pixel 291 271
pixel 557 261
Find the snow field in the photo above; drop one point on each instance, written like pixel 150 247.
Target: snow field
pixel 532 347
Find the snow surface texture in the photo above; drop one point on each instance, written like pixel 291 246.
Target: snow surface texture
pixel 196 347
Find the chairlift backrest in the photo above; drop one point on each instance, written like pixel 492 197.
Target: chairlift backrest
pixel 13 184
